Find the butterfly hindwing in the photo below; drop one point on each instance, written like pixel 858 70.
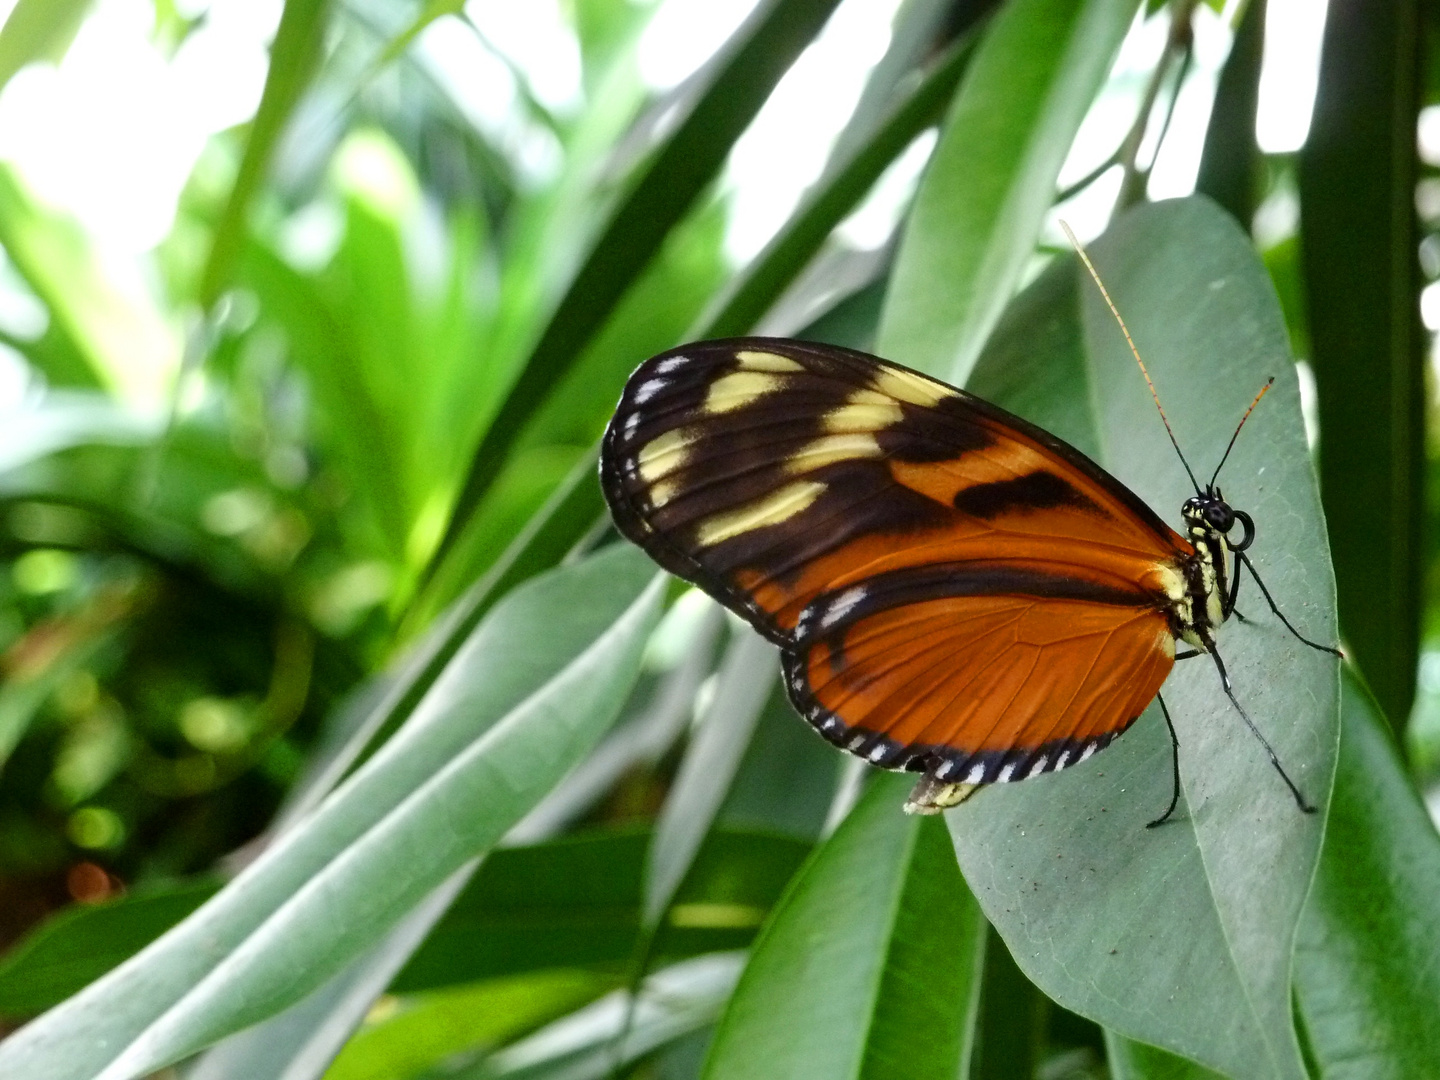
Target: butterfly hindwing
pixel 981 688
pixel 892 533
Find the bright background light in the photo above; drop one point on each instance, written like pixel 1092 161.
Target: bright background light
pixel 1288 76
pixel 112 133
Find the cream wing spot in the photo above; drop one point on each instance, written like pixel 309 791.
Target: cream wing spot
pixel 909 387
pixel 752 360
pixel 833 448
pixel 665 367
pixel 736 390
pixel 864 411
pixel 663 455
pixel 780 505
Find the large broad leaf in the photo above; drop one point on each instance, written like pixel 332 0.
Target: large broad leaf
pixel 1179 936
pixel 992 177
pixel 548 627
pixel 1365 977
pixel 877 939
pixel 1365 963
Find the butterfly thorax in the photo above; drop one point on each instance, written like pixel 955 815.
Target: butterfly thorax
pixel 1207 573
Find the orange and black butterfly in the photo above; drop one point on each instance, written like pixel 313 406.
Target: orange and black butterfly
pixel 955 591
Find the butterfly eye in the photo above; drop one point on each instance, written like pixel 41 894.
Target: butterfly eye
pixel 1220 516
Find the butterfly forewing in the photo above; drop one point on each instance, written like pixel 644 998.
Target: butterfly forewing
pixel 953 588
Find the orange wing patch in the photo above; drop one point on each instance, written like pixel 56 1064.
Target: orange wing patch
pixel 979 689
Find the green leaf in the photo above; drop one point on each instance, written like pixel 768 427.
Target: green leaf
pixel 433 9
pixel 82 942
pixel 294 56
pixel 457 813
pixel 1179 936
pixel 573 902
pixel 546 628
pixel 754 60
pixel 360 433
pixel 576 902
pixel 1365 968
pixel 915 31
pixel 104 330
pixel 1358 241
pixel 673 1003
pixel 1010 1030
pixel 300 1041
pixel 786 781
pixel 538 546
pixel 430 1028
pixel 1135 1061
pixel 38 30
pixel 992 177
pixel 877 939
pixel 742 686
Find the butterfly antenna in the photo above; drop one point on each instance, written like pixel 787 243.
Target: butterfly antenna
pixel 1133 351
pixel 1263 391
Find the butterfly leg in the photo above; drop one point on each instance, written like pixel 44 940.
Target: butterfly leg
pixel 1274 760
pixel 1175 762
pixel 1242 557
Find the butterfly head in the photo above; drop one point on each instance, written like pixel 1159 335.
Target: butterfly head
pixel 1208 514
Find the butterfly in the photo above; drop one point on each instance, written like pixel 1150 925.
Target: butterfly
pixel 954 590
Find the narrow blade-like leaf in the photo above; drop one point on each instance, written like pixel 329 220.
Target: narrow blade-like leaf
pixel 877 939
pixel 1367 963
pixel 992 177
pixel 525 641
